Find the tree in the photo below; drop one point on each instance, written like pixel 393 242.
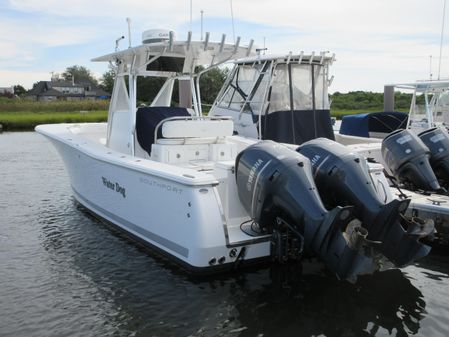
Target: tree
pixel 148 87
pixel 211 83
pixel 107 81
pixel 80 74
pixel 19 90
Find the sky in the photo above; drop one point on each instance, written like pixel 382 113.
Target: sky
pixel 376 42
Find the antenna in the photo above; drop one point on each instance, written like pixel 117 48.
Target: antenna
pixel 128 20
pixel 232 17
pixel 441 40
pixel 430 67
pixel 202 12
pixel 191 15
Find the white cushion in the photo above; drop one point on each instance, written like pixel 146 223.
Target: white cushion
pixel 197 128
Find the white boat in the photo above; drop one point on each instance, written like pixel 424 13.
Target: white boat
pixel 172 200
pixel 426 128
pixel 185 185
pixel 429 108
pixel 285 98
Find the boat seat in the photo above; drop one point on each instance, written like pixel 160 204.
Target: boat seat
pixel 147 119
pixel 195 131
pixel 183 153
pixel 193 140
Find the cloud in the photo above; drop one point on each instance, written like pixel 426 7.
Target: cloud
pixel 377 38
pixel 25 78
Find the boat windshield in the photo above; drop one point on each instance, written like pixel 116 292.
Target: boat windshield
pixel 419 110
pixel 441 107
pixel 266 87
pixel 430 108
pixel 304 78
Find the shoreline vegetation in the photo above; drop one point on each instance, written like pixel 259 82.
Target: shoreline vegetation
pixel 28 120
pixel 24 115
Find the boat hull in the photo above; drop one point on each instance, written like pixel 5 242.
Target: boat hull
pixel 183 221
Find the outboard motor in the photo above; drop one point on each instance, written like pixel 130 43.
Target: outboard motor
pixel 437 140
pixel 343 178
pixel 407 159
pixel 276 187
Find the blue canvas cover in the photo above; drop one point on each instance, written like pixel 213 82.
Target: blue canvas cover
pixel 297 126
pixel 381 122
pixel 148 118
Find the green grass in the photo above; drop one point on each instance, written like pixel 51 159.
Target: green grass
pixel 23 114
pixel 27 120
pixel 23 105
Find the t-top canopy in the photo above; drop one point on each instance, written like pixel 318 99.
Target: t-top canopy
pixel 180 57
pixel 422 86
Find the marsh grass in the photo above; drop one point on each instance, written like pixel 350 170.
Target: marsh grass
pixel 18 115
pixel 20 105
pixel 26 121
pixel 22 115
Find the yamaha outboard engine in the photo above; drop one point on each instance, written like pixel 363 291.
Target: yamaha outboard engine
pixel 343 178
pixel 407 158
pixel 276 187
pixel 437 140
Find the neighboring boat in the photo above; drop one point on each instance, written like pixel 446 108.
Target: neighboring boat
pixel 429 108
pixel 372 124
pixel 185 185
pixel 426 134
pixel 285 98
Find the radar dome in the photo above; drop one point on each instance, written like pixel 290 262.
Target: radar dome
pixel 156 35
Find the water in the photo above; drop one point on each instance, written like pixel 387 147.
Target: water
pixel 63 273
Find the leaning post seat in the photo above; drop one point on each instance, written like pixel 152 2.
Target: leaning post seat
pixel 202 129
pixel 172 138
pixel 148 118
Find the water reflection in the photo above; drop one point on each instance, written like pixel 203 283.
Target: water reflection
pixel 312 305
pixel 147 296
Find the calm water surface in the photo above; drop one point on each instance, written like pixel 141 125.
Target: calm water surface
pixel 63 273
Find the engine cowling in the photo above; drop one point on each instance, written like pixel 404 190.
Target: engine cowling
pixel 275 185
pixel 407 159
pixel 437 141
pixel 343 178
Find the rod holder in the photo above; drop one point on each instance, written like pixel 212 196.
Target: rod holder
pixel 311 57
pixel 301 55
pixel 250 46
pixel 237 43
pixel 223 39
pixel 170 41
pixel 189 39
pixel 206 41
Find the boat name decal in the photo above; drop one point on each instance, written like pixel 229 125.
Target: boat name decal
pixel 114 186
pixel 162 186
pixel 252 173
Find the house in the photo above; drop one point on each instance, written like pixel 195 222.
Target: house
pixel 58 89
pixel 7 91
